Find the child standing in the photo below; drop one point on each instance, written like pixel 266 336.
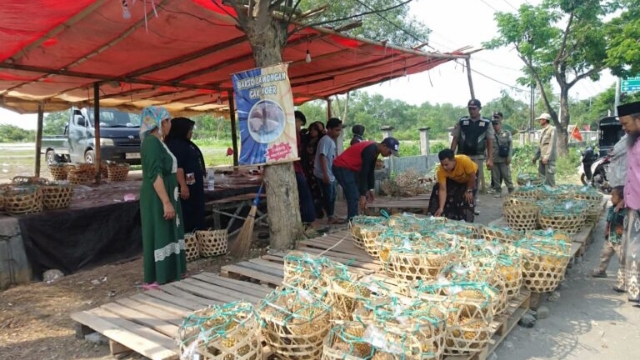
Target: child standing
pixel 613 234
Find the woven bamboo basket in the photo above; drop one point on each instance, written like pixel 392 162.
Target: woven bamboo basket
pixel 29 180
pixel 311 273
pixel 503 235
pixel 355 226
pixel 530 193
pixel 56 197
pixel 346 294
pixel 521 217
pixel 370 234
pixel 117 172
pixel 555 193
pixel 58 171
pixel 594 201
pixel 231 331
pixel 569 222
pixel 509 266
pixel 480 268
pixel 294 324
pixel 104 170
pixel 191 247
pixel 23 199
pixel 544 263
pixel 549 235
pixel 347 342
pixel 414 260
pixel 469 314
pixel 81 174
pixel 212 242
pixel 420 336
pixel 530 179
pixel 2 191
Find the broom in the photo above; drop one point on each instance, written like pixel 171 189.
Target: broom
pixel 242 244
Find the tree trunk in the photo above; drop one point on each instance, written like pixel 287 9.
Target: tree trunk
pixel 283 203
pixel 562 138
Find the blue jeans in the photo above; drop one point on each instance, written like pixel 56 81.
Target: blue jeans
pixel 328 197
pixel 347 179
pixel 307 208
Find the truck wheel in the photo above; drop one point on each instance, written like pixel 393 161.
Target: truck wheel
pixel 50 156
pixel 89 157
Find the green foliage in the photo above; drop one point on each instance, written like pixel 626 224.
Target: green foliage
pixel 12 134
pixel 565 40
pixel 380 26
pixel 623 54
pixel 566 165
pixel 54 123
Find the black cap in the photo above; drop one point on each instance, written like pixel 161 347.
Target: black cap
pixel 629 109
pixel 393 144
pixel 474 103
pixel 498 113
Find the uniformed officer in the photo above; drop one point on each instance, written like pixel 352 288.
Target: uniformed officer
pixel 502 153
pixel 546 152
pixel 473 136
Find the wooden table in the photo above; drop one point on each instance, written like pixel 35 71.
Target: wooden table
pixel 394 204
pixel 237 203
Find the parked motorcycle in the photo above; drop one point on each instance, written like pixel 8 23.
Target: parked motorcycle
pixel 593 171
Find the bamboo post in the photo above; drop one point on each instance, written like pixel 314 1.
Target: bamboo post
pixel 234 131
pixel 468 61
pixel 96 128
pixel 39 138
pixel 329 112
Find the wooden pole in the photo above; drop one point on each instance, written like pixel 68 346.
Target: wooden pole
pixel 468 61
pixel 39 138
pixel 96 128
pixel 329 112
pixel 234 131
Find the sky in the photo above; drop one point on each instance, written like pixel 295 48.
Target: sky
pixel 454 24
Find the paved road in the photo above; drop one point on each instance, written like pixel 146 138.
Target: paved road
pixel 588 322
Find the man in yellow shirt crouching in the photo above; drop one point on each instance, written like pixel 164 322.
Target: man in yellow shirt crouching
pixel 452 197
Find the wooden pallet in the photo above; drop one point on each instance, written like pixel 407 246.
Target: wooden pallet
pixel 147 323
pixel 501 326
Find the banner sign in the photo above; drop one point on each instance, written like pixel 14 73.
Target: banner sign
pixel 265 115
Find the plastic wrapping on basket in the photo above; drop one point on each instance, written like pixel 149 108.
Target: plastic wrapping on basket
pixel 394 327
pixel 529 179
pixel 505 235
pixel 294 323
pixel 356 223
pixel 221 332
pixel 310 273
pixel 544 263
pixel 469 312
pixel 482 267
pixel 568 215
pixel 419 257
pixel 347 293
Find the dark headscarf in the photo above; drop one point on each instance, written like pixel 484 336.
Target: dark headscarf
pixel 180 127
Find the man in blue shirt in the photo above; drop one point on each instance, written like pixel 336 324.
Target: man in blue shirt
pixel 325 154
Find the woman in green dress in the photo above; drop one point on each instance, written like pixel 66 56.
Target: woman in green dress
pixel 162 229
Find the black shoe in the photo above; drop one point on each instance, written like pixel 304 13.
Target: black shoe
pixel 617 289
pixel 476 212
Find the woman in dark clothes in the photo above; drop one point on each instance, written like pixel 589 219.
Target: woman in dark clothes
pixel 308 157
pixel 191 172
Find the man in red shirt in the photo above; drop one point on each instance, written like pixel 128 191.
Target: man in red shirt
pixel 354 171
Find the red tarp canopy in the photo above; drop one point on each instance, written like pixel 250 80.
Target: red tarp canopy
pixel 54 50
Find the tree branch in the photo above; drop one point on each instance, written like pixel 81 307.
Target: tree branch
pixel 536 76
pixel 242 19
pixel 352 16
pixel 584 76
pixel 563 45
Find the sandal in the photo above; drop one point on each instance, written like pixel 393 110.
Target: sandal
pixel 152 286
pixel 598 274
